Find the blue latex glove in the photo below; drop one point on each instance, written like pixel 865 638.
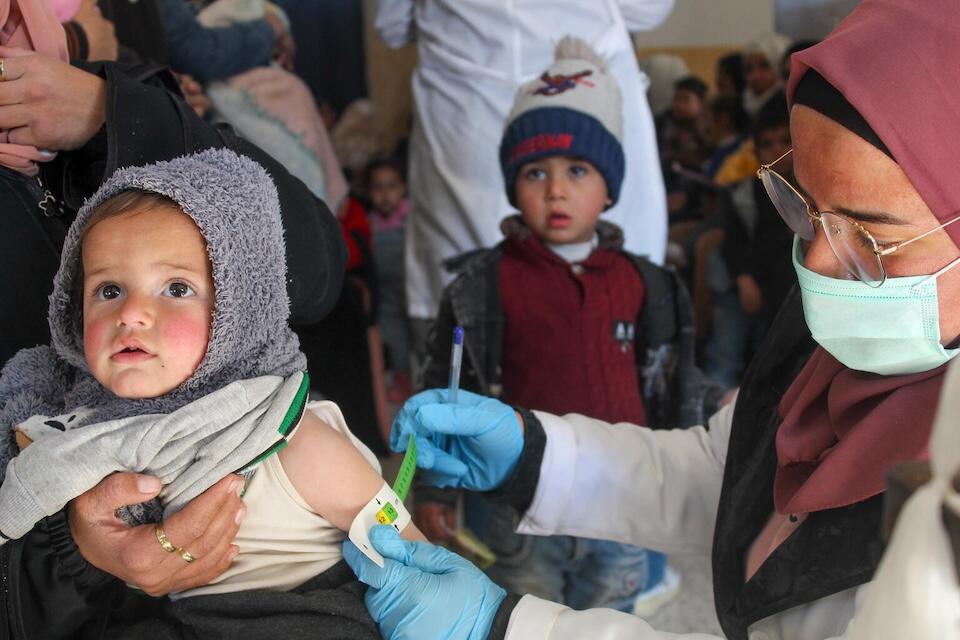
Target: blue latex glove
pixel 473 444
pixel 424 591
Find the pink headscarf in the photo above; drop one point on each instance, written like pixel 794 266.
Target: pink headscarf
pixel 31 25
pixel 65 9
pixel 896 62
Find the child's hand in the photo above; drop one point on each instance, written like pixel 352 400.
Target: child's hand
pixel 436 520
pixel 206 527
pixel 751 300
pixel 193 94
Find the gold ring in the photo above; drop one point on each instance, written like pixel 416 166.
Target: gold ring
pixel 186 555
pixel 3 76
pixel 165 543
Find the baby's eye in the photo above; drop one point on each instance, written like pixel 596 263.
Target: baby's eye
pixel 179 290
pixel 578 170
pixel 108 292
pixel 534 173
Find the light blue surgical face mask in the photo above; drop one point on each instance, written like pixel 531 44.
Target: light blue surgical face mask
pixel 893 329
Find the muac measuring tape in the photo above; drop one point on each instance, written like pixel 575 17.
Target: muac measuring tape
pixel 387 506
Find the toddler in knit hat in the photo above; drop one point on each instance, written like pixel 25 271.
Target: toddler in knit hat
pixel 554 318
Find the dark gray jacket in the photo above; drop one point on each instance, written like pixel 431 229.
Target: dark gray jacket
pixel 674 391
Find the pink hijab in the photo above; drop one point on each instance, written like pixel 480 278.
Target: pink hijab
pixel 30 25
pixel 896 62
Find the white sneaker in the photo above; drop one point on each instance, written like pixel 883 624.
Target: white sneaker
pixel 653 598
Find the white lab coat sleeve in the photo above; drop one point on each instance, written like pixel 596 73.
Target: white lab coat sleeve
pixel 825 619
pixel 394 22
pixel 653 489
pixel 536 619
pixel 643 15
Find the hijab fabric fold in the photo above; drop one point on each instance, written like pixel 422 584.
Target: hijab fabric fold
pixel 842 429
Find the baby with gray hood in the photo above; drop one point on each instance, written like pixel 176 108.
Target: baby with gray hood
pixel 171 356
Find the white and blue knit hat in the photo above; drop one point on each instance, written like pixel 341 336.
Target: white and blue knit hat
pixel 573 109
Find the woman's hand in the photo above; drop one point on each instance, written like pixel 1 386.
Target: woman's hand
pixel 751 300
pixel 206 528
pixel 46 103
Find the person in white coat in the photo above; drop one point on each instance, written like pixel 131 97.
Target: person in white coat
pixel 785 485
pixel 473 56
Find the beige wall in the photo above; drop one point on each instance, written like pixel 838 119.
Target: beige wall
pixel 704 23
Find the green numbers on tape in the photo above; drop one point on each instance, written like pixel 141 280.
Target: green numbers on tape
pixel 386 515
pixel 407 468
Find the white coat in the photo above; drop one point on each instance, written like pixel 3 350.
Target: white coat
pixel 654 489
pixel 473 56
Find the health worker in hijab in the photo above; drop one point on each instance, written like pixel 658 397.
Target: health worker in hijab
pixel 784 486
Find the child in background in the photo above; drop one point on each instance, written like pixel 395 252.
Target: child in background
pixel 761 70
pixel 557 304
pixel 751 275
pixel 682 129
pixel 728 131
pixel 172 356
pixel 389 206
pixel 683 142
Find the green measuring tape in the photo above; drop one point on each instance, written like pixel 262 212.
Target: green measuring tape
pixel 401 486
pixel 408 467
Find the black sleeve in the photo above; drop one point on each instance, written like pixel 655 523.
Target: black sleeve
pixel 48 589
pixel 147 121
pixel 521 486
pixel 498 630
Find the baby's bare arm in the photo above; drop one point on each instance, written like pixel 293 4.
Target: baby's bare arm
pixel 331 474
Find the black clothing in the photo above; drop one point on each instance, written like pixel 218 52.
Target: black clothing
pixel 139 29
pixel 327 607
pixel 338 360
pixel 47 590
pixel 756 242
pixel 833 550
pixel 29 254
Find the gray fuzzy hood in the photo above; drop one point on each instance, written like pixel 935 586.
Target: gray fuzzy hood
pixel 235 205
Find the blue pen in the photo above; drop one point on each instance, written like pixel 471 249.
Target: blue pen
pixel 456 357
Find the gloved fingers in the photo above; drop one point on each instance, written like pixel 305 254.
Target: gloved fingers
pixel 443 464
pixel 418 555
pixel 426 453
pixel 367 571
pixel 453 419
pixel 404 423
pixel 392 573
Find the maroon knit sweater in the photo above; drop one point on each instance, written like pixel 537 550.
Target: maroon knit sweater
pixel 568 344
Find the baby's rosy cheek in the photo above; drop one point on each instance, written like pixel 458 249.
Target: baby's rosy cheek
pixel 188 337
pixel 94 335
